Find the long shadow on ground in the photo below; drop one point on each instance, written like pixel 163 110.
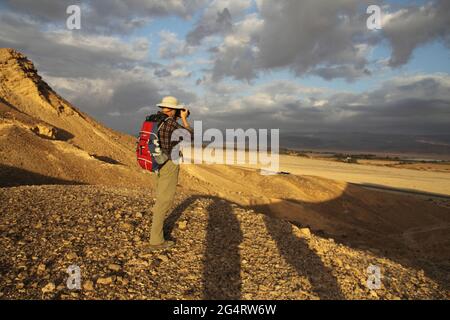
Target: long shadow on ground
pixel 222 260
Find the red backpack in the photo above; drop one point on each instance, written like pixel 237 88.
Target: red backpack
pixel 149 154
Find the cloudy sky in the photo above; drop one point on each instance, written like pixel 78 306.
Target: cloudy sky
pixel 297 65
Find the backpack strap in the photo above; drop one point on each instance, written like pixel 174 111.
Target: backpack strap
pixel 162 123
pixel 159 128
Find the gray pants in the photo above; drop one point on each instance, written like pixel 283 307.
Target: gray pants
pixel 166 184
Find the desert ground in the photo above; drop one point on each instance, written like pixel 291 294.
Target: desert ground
pixel 240 235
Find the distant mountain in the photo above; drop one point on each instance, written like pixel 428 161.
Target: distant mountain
pixel 43 138
pixel 427 145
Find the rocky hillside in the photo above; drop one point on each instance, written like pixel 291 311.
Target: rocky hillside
pixel 223 251
pixel 43 138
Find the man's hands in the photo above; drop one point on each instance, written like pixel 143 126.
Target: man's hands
pixel 184 114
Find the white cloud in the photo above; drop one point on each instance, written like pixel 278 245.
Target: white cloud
pixel 106 16
pixel 304 36
pixel 172 47
pixel 408 28
pixel 217 18
pixel 319 103
pixel 328 39
pixel 61 53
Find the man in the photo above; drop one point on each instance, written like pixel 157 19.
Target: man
pixel 167 177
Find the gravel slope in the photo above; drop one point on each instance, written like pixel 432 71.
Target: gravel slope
pixel 223 251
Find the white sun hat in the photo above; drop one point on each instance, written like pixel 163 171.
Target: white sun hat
pixel 171 103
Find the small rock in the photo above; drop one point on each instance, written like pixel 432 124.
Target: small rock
pixel 163 258
pixel 61 287
pixel 248 296
pixel 302 232
pixel 41 269
pixel 138 262
pixel 88 285
pixel 182 225
pixel 373 294
pixel 104 281
pixel 126 226
pixel 263 288
pixel 71 256
pixel 338 262
pixel 114 267
pixel 50 287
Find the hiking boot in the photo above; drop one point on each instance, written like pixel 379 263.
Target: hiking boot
pixel 163 246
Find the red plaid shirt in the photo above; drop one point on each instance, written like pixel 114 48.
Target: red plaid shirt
pixel 165 135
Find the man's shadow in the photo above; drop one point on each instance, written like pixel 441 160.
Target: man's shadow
pixel 222 260
pixel 297 253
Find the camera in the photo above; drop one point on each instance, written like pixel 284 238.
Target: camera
pixel 178 114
